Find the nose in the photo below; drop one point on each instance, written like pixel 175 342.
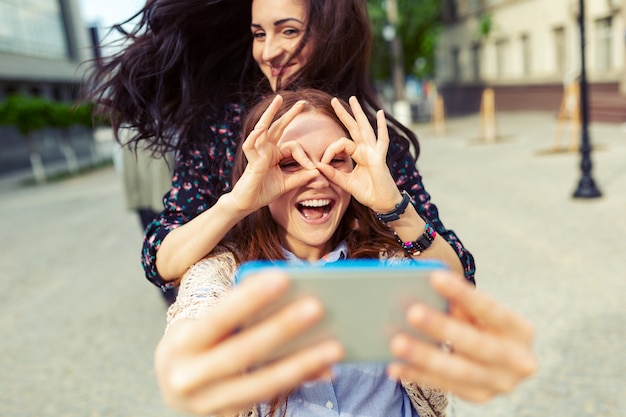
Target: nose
pixel 272 49
pixel 318 182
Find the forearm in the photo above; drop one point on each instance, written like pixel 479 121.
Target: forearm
pixel 408 178
pixel 192 241
pixel 410 227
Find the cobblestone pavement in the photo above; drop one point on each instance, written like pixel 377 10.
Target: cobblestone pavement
pixel 79 323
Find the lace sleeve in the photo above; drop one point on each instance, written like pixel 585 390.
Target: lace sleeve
pixel 202 286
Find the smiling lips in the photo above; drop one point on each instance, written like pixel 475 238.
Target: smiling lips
pixel 277 71
pixel 315 209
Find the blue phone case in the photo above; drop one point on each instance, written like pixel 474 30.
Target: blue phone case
pixel 365 302
pixel 352 265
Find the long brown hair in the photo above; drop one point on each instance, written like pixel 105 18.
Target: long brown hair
pixel 257 236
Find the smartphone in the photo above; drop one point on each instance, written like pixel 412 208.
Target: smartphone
pixel 365 302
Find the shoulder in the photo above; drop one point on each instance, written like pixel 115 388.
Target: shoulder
pixel 428 402
pixel 203 285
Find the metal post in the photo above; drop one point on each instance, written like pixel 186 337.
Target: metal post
pixel 586 186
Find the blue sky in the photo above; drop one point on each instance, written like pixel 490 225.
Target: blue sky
pixel 104 13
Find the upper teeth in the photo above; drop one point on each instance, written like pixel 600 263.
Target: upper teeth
pixel 316 203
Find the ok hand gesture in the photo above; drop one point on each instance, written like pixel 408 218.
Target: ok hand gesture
pixel 370 182
pixel 263 181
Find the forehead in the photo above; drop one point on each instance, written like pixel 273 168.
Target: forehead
pixel 278 9
pixel 313 130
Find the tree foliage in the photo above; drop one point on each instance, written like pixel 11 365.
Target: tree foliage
pixel 418 27
pixel 29 114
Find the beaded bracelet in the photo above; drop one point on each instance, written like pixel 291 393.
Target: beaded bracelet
pixel 416 247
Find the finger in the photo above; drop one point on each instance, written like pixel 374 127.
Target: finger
pixel 337 147
pixel 346 118
pixel 339 178
pixel 278 127
pixel 470 392
pixel 256 343
pixel 474 343
pixel 428 364
pixel 295 150
pixel 366 132
pixel 383 133
pixel 235 308
pixel 299 179
pixel 269 113
pixel 241 392
pixel 482 308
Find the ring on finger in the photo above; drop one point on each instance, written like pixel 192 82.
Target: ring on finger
pixel 446 346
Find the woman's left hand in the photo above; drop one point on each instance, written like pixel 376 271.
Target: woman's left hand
pixel 491 347
pixel 370 182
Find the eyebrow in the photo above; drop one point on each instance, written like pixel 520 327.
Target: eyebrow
pixel 279 22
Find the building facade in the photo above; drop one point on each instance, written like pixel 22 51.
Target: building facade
pixel 529 51
pixel 42 44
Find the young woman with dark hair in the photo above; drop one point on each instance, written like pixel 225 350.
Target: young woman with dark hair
pixel 189 70
pixel 313 198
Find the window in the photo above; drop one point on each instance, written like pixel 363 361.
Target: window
pixel 526 53
pixel 559 50
pixel 32 27
pixel 502 46
pixel 476 56
pixel 603 44
pixel 456 63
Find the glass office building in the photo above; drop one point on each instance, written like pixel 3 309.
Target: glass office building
pixel 42 43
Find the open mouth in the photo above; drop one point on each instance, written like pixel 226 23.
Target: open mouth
pixel 316 209
pixel 277 71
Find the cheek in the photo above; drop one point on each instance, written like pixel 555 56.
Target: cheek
pixel 305 55
pixel 257 50
pixel 278 209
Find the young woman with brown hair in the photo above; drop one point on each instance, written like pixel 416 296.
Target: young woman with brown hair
pixel 317 196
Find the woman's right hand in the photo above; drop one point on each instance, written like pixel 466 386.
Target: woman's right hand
pixel 263 180
pixel 207 367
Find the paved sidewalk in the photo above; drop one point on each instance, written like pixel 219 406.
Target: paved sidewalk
pixel 79 322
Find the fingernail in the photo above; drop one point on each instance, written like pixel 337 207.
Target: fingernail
pixel 400 345
pixel 333 351
pixel 309 309
pixel 417 312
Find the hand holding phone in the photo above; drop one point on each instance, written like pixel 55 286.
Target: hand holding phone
pixel 365 302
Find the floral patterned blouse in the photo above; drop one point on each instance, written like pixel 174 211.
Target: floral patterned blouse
pixel 195 189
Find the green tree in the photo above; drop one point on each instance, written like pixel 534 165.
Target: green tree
pixel 419 23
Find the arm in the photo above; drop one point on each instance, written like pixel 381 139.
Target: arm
pixel 261 182
pixel 408 178
pixel 204 365
pixel 371 182
pixel 193 191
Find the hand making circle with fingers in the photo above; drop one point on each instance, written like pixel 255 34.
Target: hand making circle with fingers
pixel 370 182
pixel 262 180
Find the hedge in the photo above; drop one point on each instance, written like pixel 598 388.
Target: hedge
pixel 29 114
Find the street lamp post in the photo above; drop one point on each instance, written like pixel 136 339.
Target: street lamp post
pixel 586 186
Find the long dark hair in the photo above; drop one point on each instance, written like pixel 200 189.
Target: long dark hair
pixel 183 62
pixel 186 61
pixel 257 236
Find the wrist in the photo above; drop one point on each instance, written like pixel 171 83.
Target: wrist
pixel 230 203
pixel 402 202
